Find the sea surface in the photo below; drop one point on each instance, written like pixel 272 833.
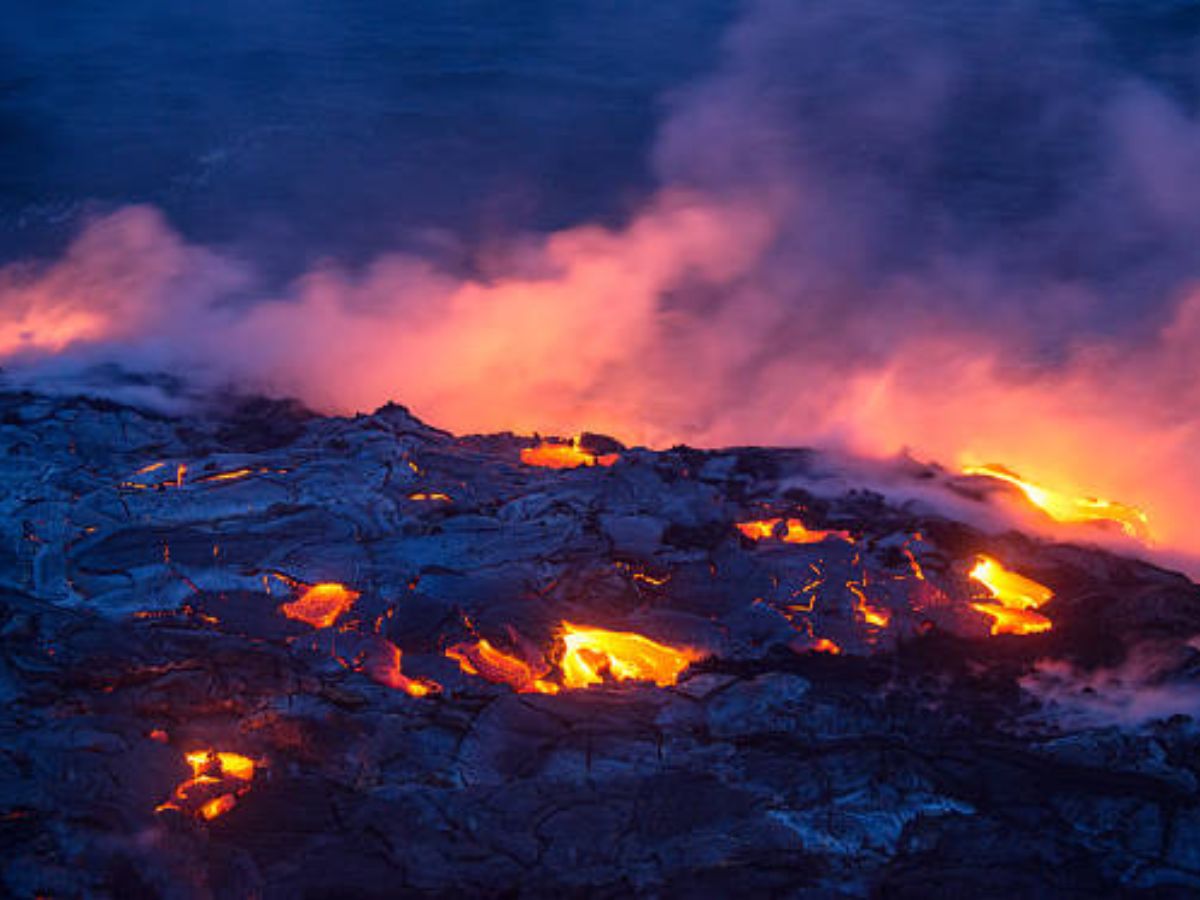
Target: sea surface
pixel 301 129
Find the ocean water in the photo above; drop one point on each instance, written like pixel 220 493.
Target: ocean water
pixel 290 131
pixel 300 129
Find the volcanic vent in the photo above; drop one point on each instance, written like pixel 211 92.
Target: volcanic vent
pixel 258 652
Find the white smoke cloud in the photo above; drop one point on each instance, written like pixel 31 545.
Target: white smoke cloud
pixel 1145 688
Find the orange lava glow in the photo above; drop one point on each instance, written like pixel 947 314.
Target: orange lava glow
pixel 825 645
pixel 591 654
pixel 232 475
pixel 1064 508
pixel 321 604
pixel 387 672
pixel 872 615
pixel 1014 599
pixel 232 764
pixel 790 531
pixel 51 330
pixel 482 659
pixel 421 496
pixel 550 455
pixel 218 780
pixel 218 806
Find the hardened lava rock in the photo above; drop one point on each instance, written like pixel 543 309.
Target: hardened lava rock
pixel 253 651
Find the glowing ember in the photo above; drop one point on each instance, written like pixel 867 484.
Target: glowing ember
pixel 641 576
pixel 484 660
pixel 872 615
pixel 1014 599
pixel 564 456
pixel 232 764
pixel 1063 508
pixel 825 645
pixel 915 566
pixel 172 479
pixel 387 672
pixel 218 780
pixel 232 475
pixel 790 531
pixel 321 604
pixel 219 806
pixel 433 497
pixel 592 653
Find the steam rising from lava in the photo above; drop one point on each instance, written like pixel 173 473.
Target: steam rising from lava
pixel 959 232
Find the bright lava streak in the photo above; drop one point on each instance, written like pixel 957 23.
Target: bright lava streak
pixel 590 653
pixel 564 456
pixel 1014 599
pixel 1063 508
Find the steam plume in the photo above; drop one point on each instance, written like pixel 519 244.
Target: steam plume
pixel 969 231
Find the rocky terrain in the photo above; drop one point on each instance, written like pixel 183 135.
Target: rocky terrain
pixel 254 652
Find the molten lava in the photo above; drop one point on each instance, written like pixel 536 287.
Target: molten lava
pixel 231 475
pixel 790 531
pixel 552 455
pixel 1014 599
pixel 1064 508
pixel 321 604
pixel 483 659
pixel 590 654
pixel 873 615
pixel 386 671
pixel 218 780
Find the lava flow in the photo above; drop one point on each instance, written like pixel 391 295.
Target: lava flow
pixel 482 659
pixel 592 653
pixel 589 656
pixel 218 780
pixel 1014 599
pixel 321 604
pixel 790 531
pixel 385 669
pixel 551 455
pixel 1064 508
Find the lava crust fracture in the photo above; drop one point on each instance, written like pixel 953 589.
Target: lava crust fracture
pixel 260 652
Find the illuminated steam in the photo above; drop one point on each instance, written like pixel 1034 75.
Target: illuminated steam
pixel 954 231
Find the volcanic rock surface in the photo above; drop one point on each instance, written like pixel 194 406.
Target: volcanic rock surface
pixel 848 725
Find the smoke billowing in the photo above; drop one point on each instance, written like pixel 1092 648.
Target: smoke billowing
pixel 970 230
pixel 1145 687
